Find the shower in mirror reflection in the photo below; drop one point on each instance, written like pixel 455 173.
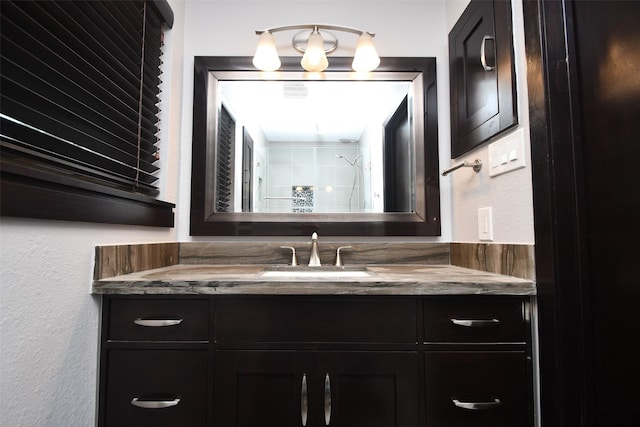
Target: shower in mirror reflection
pixel 358 179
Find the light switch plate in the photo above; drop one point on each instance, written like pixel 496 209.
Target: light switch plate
pixel 485 224
pixel 507 153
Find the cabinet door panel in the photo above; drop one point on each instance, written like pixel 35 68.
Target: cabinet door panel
pixel 370 389
pixel 156 377
pixel 479 87
pixel 476 389
pixel 260 388
pixel 482 74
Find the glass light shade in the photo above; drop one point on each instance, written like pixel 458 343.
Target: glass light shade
pixel 366 58
pixel 315 58
pixel 266 57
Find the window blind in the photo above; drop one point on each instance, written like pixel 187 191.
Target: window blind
pixel 79 100
pixel 224 175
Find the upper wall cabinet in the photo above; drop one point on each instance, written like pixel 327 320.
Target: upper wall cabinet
pixel 482 75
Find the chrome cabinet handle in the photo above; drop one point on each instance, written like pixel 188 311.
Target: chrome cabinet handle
pixel 155 323
pixel 483 58
pixel 327 399
pixel 303 400
pixel 476 406
pixel 470 323
pixel 154 404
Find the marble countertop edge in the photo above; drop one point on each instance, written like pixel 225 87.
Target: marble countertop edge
pixel 397 279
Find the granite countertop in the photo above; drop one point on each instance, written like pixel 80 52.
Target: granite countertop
pixel 377 279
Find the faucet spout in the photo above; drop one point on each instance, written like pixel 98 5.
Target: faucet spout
pixel 314 258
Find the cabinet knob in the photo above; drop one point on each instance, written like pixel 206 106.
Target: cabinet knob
pixel 476 406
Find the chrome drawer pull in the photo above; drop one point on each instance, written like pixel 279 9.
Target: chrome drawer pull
pixel 155 323
pixel 303 400
pixel 470 323
pixel 483 57
pixel 154 404
pixel 476 406
pixel 327 399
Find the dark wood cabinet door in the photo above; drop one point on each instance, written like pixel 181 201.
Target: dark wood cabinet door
pixel 351 389
pixel 482 75
pixel 156 388
pixel 262 388
pixel 477 389
pixel 369 389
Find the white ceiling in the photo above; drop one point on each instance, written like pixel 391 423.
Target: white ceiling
pixel 311 111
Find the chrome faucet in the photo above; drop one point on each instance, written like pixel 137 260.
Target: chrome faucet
pixel 314 258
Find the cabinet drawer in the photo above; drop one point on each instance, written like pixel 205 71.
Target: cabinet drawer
pixel 474 319
pixel 158 320
pixel 331 320
pixel 173 381
pixel 476 389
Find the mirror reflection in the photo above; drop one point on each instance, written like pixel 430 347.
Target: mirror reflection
pixel 234 193
pixel 292 146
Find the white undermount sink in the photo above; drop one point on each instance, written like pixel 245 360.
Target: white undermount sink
pixel 316 273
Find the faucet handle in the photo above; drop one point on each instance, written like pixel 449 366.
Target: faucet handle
pixel 338 259
pixel 294 259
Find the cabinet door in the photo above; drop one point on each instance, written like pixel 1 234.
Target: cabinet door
pixel 369 389
pixel 159 388
pixel 477 389
pixel 263 388
pixel 481 74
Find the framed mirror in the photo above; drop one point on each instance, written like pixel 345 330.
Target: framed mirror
pixel 292 152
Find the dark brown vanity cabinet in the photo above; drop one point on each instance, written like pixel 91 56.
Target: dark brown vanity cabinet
pixel 478 365
pixel 482 75
pixel 296 361
pixel 268 360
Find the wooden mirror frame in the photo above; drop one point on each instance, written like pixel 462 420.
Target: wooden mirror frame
pixel 206 222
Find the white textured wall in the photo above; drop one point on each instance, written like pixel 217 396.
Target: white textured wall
pixel 509 195
pixel 48 319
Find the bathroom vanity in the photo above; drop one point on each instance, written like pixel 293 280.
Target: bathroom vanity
pixel 408 345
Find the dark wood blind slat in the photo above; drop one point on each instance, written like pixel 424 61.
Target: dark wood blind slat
pixel 57 103
pixel 121 31
pixel 39 59
pixel 64 56
pixel 100 62
pixel 71 159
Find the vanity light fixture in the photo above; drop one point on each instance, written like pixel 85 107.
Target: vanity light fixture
pixel 315 42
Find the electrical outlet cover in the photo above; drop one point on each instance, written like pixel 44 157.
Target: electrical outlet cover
pixel 485 224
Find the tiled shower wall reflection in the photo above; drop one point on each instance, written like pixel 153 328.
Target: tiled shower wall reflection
pixel 314 176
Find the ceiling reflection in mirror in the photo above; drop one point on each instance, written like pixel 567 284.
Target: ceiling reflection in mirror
pixel 312 146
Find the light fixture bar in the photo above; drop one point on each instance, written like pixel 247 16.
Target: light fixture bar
pixel 315 53
pixel 318 26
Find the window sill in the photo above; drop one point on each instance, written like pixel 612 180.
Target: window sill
pixel 43 195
